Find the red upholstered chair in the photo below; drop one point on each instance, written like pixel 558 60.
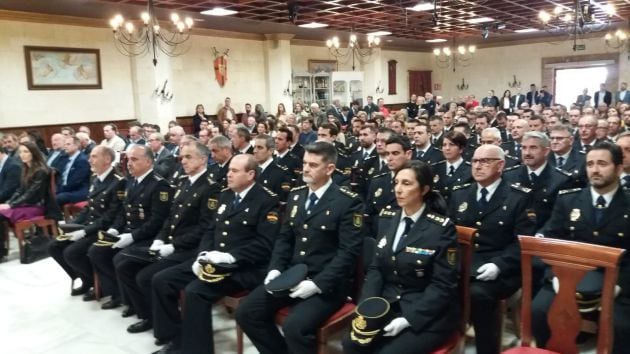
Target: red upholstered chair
pixel 71 209
pixel 457 342
pixel 569 261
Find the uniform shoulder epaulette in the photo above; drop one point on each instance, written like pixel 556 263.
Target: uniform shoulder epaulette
pixel 341 154
pixel 298 188
pixel 467 163
pixel 438 163
pixel 438 219
pixel 387 213
pixel 461 186
pixel 348 192
pixel 381 174
pixel 225 189
pixel 183 176
pixel 284 168
pixel 157 177
pixel 118 177
pixel 567 191
pixel 370 157
pixel 520 188
pixel 512 168
pixel 436 148
pixel 582 152
pixel 210 180
pixel 269 191
pixel 559 170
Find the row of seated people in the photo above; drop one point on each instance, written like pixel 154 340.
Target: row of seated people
pixel 188 227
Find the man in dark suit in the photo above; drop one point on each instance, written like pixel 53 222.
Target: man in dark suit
pixel 498 211
pixel 323 231
pixel 517 100
pixel 296 148
pixel 532 96
pixel 164 163
pixel 564 156
pixel 602 95
pixel 176 134
pixel 436 125
pixel 335 109
pixel 10 173
pixel 74 181
pixel 270 175
pixel 243 232
pixel 423 149
pixel 241 141
pixel 145 208
pixel 622 96
pixel 597 214
pixel 544 97
pixel 85 143
pixel 105 196
pixel 283 155
pixel 57 157
pixel 136 136
pixel 371 107
pixel 221 150
pixel 587 138
pixel 583 99
pixel 191 215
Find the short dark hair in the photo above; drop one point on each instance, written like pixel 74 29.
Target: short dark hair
pixel 397 139
pixel 615 151
pixel 456 138
pixel 288 132
pixel 424 175
pixel 243 132
pixel 332 128
pixel 324 149
pixel 463 125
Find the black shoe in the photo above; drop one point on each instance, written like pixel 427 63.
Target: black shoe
pixel 89 296
pixel 170 348
pixel 111 304
pixel 160 341
pixel 80 291
pixel 142 326
pixel 128 312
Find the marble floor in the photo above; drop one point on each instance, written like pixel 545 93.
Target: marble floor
pixel 37 315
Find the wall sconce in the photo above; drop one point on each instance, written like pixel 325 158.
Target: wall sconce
pixel 287 91
pixel 162 94
pixel 463 86
pixel 379 88
pixel 515 83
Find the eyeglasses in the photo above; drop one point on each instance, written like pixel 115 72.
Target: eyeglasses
pixel 484 161
pixel 558 137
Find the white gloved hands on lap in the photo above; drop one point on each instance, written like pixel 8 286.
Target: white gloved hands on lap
pixel 395 327
pixel 166 250
pixel 155 246
pixel 304 290
pixel 488 271
pixel 76 235
pixel 113 232
pixel 125 240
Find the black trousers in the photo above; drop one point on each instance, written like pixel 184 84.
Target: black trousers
pixel 165 290
pixel 406 342
pixel 73 258
pixel 102 259
pixel 197 330
pixel 135 282
pixel 540 327
pixel 484 310
pixel 256 317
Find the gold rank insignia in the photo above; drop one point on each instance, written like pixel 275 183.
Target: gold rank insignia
pixel 575 214
pixel 212 203
pixel 294 211
pixel 286 186
pixel 357 219
pixel 121 194
pixel 451 256
pixel 359 322
pixel 378 192
pixel 272 217
pixel 462 207
pixel 164 196
pixel 531 213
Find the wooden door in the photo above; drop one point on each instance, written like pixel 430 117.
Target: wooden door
pixel 419 82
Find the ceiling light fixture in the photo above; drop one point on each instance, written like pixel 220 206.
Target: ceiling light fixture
pixel 379 33
pixel 219 11
pixel 461 56
pixel 526 30
pixel 354 49
pixel 150 36
pixel 437 40
pixel 479 20
pixel 313 25
pixel 422 6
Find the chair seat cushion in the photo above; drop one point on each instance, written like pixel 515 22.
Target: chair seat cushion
pixel 528 350
pixel 81 205
pixel 347 308
pixel 450 344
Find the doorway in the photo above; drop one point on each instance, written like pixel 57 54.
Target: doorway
pixel 571 82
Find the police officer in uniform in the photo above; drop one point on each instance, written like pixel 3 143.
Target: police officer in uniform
pixel 284 156
pixel 270 175
pixel 423 149
pixel 191 214
pixel 376 165
pixel 106 193
pixel 598 214
pixel 414 269
pixel 221 149
pixel 498 211
pixel 145 208
pixel 453 170
pixel 322 230
pixel 245 225
pixel 564 156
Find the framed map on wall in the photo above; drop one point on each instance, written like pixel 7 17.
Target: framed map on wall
pixel 54 68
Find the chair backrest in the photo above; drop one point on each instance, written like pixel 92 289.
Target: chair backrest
pixel 465 236
pixel 569 261
pixel 361 267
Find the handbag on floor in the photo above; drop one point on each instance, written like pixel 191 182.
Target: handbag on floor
pixel 35 248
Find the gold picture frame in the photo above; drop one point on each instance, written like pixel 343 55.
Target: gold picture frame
pixel 59 68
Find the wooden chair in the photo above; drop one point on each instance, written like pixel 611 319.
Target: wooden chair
pixel 457 342
pixel 231 303
pixel 71 209
pixel 569 261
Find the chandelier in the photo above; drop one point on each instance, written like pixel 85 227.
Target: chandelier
pixel 150 36
pixel 577 20
pixel 354 50
pixel 616 40
pixel 445 57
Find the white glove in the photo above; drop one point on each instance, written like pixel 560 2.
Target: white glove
pixel 166 250
pixel 219 257
pixel 555 283
pixel 488 271
pixel 196 268
pixel 395 327
pixel 539 235
pixel 155 246
pixel 113 232
pixel 77 235
pixel 304 290
pixel 273 274
pixel 125 240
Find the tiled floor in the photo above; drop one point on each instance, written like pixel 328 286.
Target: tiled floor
pixel 37 315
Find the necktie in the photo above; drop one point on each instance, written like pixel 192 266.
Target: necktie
pixel 483 201
pixel 134 184
pixel 419 154
pixel 313 199
pixel 237 200
pixel 382 166
pixel 626 181
pixel 408 224
pixel 533 177
pixel 66 172
pixel 600 206
pixel 451 170
pixel 517 150
pixel 560 161
pixel 365 155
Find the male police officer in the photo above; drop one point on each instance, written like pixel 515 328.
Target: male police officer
pixel 322 230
